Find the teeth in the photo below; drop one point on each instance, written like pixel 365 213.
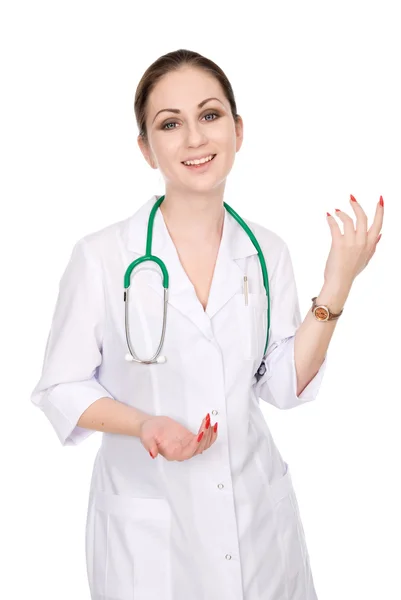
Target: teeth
pixel 198 162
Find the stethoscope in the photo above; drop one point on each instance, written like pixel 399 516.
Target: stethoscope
pixel 132 356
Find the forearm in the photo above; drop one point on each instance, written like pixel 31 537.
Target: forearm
pixel 112 416
pixel 312 338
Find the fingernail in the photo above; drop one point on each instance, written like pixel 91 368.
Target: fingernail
pixel 200 436
pixel 151 454
pixel 378 239
pixel 352 198
pixel 207 421
pixel 338 210
pixel 381 201
pixel 328 214
pixel 215 426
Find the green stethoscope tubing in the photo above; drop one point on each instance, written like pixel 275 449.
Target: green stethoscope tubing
pixel 148 257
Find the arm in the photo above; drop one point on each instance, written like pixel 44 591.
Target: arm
pixel 313 338
pixel 69 383
pixel 349 254
pixel 296 355
pixel 285 376
pixel 107 414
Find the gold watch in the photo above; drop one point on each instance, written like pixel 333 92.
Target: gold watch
pixel 322 312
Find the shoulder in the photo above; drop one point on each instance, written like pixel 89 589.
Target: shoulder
pixel 102 242
pixel 275 250
pixel 271 242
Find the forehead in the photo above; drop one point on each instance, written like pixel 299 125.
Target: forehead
pixel 184 89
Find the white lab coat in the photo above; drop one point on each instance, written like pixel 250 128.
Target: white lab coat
pixel 225 524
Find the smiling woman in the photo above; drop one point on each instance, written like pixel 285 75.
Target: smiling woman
pixel 186 112
pixel 180 507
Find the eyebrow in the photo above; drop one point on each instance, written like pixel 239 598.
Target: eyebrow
pixel 177 110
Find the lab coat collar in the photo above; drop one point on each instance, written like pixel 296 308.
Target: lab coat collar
pixel 227 278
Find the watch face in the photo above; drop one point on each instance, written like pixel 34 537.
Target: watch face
pixel 322 314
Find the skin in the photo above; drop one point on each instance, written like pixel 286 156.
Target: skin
pixel 193 207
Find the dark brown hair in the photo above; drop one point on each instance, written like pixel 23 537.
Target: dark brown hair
pixel 173 61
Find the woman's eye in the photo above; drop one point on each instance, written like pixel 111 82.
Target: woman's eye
pixel 210 114
pixel 174 122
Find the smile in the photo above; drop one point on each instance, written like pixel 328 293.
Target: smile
pixel 198 163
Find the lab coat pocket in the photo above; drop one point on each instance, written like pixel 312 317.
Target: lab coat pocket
pixel 252 322
pixel 131 551
pixel 291 534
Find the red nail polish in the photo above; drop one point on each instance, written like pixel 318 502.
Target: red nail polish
pixel 207 421
pixel 215 426
pixel 151 454
pixel 328 214
pixel 200 436
pixel 378 240
pixel 338 210
pixel 352 198
pixel 381 201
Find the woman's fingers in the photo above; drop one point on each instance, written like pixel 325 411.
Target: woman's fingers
pixel 361 221
pixel 193 446
pixel 348 223
pixel 377 224
pixel 204 443
pixel 202 425
pixel 361 235
pixel 198 438
pixel 213 433
pixel 208 435
pixel 336 234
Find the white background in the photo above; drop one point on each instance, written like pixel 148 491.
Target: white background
pixel 318 87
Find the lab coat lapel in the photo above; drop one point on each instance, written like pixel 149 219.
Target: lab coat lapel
pixel 228 274
pixel 227 278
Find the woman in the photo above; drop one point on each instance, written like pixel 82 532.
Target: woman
pixel 190 498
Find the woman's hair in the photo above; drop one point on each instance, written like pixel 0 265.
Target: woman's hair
pixel 173 61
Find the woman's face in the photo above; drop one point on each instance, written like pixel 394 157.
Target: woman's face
pixel 193 132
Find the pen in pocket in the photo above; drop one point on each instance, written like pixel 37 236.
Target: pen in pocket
pixel 246 289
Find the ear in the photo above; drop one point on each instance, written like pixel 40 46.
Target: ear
pixel 146 151
pixel 239 132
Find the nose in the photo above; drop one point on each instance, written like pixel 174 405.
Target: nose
pixel 196 135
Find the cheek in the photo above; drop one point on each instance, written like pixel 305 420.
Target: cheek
pixel 227 140
pixel 166 157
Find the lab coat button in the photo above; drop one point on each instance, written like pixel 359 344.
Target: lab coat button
pixel 228 556
pixel 215 412
pixel 262 369
pixel 220 486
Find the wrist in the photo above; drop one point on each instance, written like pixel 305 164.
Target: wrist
pixel 333 295
pixel 139 419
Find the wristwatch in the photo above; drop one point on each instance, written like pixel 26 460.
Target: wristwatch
pixel 322 312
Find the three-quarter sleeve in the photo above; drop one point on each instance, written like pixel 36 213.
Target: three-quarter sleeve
pixel 69 384
pixel 278 384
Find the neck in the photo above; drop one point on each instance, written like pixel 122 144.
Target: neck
pixel 194 219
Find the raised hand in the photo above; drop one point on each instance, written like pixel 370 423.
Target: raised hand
pixel 351 251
